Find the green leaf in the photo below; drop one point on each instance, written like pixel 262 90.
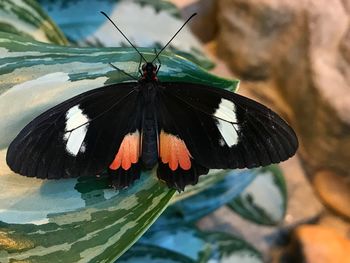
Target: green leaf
pixel 97 226
pixel 72 220
pixel 26 18
pixel 57 73
pixel 147 23
pixel 161 5
pixel 143 253
pixel 204 182
pixel 201 246
pixel 208 200
pixel 264 201
pixel 232 249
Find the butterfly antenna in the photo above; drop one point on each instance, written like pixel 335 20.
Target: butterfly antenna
pixel 174 36
pixel 103 13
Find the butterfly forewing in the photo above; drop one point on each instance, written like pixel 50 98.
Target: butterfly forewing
pixel 79 137
pixel 222 130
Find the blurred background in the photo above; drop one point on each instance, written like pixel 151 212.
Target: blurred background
pixel 293 56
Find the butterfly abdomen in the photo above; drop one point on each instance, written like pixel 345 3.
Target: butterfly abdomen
pixel 149 148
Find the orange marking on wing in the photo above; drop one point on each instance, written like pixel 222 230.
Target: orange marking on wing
pixel 173 151
pixel 128 153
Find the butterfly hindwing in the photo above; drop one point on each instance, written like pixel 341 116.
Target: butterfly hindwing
pixel 125 167
pixel 223 130
pixel 79 137
pixel 176 166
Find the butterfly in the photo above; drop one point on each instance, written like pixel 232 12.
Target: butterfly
pixel 118 130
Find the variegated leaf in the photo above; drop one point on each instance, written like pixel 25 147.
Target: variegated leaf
pixel 264 201
pixel 210 197
pixel 147 23
pixel 142 253
pixel 27 18
pixel 73 220
pixel 201 246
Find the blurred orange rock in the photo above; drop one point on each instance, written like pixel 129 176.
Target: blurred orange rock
pixel 334 191
pixel 320 244
pixel 339 224
pixel 295 55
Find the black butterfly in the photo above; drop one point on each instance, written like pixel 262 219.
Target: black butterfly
pixel 120 129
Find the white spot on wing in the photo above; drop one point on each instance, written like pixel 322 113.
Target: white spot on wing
pixel 228 132
pixel 227 122
pixel 226 111
pixel 76 128
pixel 75 117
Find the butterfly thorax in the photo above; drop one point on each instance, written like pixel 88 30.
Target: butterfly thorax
pixel 149 72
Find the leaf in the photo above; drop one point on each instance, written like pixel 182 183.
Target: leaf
pixel 27 18
pixel 230 249
pixel 72 220
pixel 264 201
pixel 197 206
pixel 90 227
pixel 142 253
pixel 204 182
pixel 57 73
pixel 147 23
pixel 201 246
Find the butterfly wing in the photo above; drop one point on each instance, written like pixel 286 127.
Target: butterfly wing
pixel 217 129
pixel 82 137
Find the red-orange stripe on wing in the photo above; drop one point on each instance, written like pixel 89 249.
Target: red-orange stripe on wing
pixel 128 153
pixel 173 151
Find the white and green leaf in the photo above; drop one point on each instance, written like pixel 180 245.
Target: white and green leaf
pixel 36 76
pixel 210 197
pixel 27 18
pixel 47 219
pixel 264 201
pixel 76 220
pixel 199 246
pixel 143 253
pixel 147 23
pixel 231 249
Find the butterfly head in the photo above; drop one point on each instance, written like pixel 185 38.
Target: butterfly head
pixel 149 72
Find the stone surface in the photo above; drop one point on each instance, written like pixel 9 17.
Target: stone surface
pixel 204 26
pixel 334 191
pixel 318 244
pixel 296 55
